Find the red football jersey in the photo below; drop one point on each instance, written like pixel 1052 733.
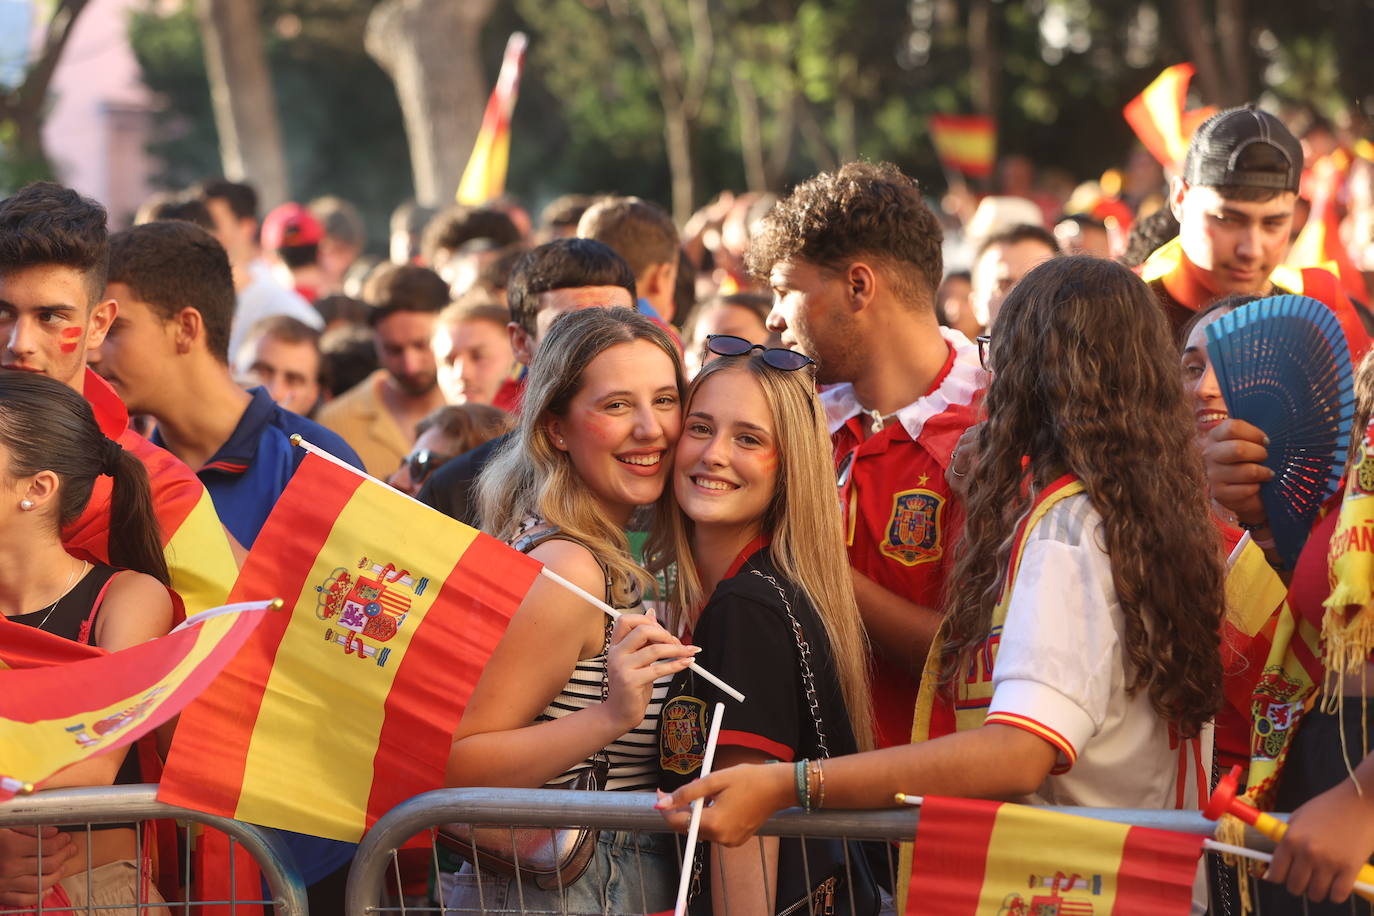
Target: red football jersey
pixel 900 517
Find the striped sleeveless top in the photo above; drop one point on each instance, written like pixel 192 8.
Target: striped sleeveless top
pixel 633 757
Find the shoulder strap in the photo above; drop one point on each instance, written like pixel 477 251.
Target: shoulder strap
pixel 804 653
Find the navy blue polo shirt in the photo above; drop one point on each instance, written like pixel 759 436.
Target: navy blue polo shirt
pixel 253 467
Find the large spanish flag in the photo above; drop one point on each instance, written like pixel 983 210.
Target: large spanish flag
pixel 56 711
pixel 485 176
pixel 1160 118
pixel 336 712
pixel 965 143
pixel 984 858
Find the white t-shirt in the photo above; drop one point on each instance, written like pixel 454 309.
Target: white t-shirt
pixel 263 297
pixel 1061 674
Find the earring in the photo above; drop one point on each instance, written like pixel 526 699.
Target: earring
pixel 26 504
pixel 562 442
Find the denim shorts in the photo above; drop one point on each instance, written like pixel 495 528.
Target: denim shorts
pixel 629 874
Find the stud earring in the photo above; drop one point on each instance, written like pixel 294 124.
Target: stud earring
pixel 26 504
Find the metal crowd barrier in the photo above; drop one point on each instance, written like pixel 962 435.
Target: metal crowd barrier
pixel 633 811
pixel 119 804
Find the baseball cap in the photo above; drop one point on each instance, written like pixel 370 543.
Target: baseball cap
pixel 290 225
pixel 1244 147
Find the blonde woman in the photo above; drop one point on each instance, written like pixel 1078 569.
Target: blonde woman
pixel 764 588
pixel 602 411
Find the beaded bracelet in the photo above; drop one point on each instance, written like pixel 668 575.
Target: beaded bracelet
pixel 803 788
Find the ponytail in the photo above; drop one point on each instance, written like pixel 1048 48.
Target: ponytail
pixel 135 538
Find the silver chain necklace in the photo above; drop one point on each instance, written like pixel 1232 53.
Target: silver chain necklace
pixel 71 583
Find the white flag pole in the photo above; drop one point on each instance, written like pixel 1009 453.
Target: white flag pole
pixel 707 760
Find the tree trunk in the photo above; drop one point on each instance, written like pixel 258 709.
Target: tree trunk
pixel 431 50
pixel 1233 37
pixel 985 52
pixel 1197 33
pixel 250 145
pixel 677 137
pixel 750 133
pixel 24 106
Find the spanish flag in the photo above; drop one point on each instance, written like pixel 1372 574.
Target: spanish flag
pixel 1319 243
pixel 985 858
pixel 196 545
pixel 485 176
pixel 965 143
pixel 1160 119
pixel 56 711
pixel 334 713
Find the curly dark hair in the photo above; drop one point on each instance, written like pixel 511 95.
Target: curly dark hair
pixel 1086 382
pixel 46 223
pixel 864 209
pixel 453 228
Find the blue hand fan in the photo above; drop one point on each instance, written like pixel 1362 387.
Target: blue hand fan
pixel 1283 364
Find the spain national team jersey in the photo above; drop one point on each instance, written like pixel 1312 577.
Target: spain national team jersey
pixel 900 517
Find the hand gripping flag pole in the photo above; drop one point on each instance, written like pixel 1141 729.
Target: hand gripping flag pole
pixel 544 571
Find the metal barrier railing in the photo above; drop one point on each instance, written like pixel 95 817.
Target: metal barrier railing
pixel 120 804
pixel 634 811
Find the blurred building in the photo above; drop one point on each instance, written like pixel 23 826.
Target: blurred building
pixel 100 118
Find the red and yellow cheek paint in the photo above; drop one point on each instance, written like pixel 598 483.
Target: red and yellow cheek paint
pixel 70 339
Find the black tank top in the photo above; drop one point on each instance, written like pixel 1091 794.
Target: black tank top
pixel 68 619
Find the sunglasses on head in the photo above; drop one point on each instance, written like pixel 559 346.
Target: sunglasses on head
pixel 777 357
pixel 422 462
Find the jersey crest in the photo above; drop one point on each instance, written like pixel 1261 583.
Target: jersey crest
pixel 914 532
pixel 682 735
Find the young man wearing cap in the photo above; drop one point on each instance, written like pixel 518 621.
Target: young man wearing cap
pixel 292 235
pixel 854 259
pixel 1234 203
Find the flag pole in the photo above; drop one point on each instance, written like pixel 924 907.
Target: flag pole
pixel 707 761
pixel 297 440
pixel 1208 844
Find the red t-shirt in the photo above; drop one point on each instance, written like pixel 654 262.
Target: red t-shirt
pixel 900 516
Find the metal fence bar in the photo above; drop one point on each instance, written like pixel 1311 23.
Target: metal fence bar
pixel 116 804
pixel 635 811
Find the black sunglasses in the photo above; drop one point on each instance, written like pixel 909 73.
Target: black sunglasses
pixel 777 357
pixel 422 462
pixel 984 342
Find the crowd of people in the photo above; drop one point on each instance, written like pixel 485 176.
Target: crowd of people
pixel 947 489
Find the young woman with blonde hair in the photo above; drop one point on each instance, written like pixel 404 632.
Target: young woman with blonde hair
pixel 764 588
pixel 602 411
pixel 1082 629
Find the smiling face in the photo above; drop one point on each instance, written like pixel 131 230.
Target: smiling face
pixel 1236 243
pixel 1200 379
pixel 620 425
pixel 47 321
pixel 725 471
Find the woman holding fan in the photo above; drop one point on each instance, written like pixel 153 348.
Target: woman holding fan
pixel 1087 537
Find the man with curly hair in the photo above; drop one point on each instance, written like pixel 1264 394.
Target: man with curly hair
pixel 853 258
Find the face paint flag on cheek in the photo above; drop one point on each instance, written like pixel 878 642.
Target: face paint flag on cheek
pixel 71 339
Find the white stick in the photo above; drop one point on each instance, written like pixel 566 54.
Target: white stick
pixel 1212 845
pixel 614 614
pixel 707 760
pixel 544 571
pixel 275 604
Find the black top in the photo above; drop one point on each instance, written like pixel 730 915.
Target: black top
pixel 452 488
pixel 748 641
pixel 68 619
pixel 72 611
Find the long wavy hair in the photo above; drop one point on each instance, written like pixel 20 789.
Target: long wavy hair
pixel 803 520
pixel 1085 381
pixel 528 477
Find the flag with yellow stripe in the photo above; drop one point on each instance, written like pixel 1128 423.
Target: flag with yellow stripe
pixel 336 712
pixel 965 143
pixel 985 858
pixel 57 710
pixel 1160 118
pixel 484 178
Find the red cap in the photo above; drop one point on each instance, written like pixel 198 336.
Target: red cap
pixel 289 226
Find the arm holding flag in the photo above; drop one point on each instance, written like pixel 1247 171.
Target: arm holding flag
pixel 1329 839
pixel 498 742
pixel 973 763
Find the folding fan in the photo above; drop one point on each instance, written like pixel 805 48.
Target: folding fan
pixel 1282 364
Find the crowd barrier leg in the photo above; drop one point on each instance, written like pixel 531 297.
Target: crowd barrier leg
pixel 88 890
